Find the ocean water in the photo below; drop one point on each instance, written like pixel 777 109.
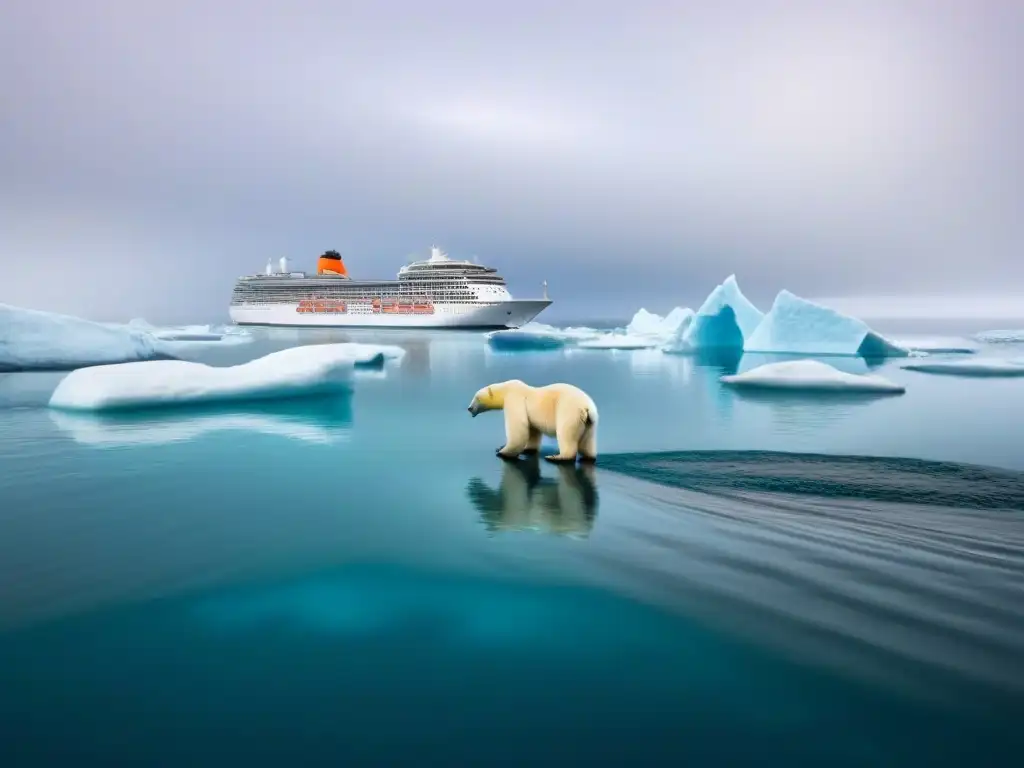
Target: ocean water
pixel 741 580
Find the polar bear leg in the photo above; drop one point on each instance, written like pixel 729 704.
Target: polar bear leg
pixel 533 443
pixel 517 431
pixel 588 444
pixel 568 431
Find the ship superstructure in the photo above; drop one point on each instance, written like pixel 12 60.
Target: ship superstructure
pixel 437 292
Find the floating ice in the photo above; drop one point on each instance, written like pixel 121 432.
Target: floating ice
pixel 35 340
pixel 294 372
pixel 646 323
pixel 537 337
pixel 619 341
pixel 935 346
pixel 797 326
pixel 810 376
pixel 723 322
pixel 223 334
pixel 523 341
pixel 1001 337
pixel 976 368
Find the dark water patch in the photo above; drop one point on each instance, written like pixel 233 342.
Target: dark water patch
pixel 386 665
pixel 902 480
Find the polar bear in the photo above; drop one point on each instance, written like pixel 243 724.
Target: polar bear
pixel 561 411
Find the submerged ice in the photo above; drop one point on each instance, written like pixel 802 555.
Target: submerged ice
pixel 295 372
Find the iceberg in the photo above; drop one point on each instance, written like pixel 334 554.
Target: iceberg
pixel 1001 337
pixel 976 368
pixel 646 323
pixel 32 340
pixel 797 326
pixel 723 322
pixel 810 376
pixel 295 372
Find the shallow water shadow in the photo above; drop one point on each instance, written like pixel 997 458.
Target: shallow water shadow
pixel 525 500
pixel 317 419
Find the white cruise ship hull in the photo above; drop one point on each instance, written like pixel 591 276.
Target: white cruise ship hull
pixel 505 314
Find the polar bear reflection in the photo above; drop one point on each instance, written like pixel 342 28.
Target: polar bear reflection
pixel 527 501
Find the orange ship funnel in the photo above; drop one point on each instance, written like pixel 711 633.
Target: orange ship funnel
pixel 330 263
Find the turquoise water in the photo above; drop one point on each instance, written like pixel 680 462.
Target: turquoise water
pixel 361 581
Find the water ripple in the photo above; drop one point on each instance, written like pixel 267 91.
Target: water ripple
pixel 902 566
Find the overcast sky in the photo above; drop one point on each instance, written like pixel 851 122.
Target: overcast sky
pixel 631 153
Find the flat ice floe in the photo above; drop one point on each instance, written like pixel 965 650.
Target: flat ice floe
pixel 798 326
pixel 976 368
pixel 810 376
pixel 619 341
pixel 1001 337
pixel 35 340
pixel 295 372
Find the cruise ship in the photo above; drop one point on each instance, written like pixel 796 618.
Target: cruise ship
pixel 437 292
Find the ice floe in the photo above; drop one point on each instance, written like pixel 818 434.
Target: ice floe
pixel 975 368
pixel 294 372
pixel 810 376
pixel 35 340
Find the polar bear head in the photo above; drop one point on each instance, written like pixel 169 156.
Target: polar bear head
pixel 492 398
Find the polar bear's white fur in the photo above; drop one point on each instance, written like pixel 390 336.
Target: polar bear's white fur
pixel 562 411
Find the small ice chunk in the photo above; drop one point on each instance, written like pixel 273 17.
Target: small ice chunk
pixel 935 345
pixel 977 368
pixel 524 341
pixel 810 376
pixel 293 372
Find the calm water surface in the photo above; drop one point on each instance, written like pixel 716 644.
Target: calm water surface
pixel 360 581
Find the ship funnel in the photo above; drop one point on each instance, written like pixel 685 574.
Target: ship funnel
pixel 331 263
pixel 436 254
pixel 270 267
pixel 284 264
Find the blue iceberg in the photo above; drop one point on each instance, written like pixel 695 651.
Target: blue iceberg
pixel 797 326
pixel 723 322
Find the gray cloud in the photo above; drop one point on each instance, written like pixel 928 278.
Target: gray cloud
pixel 630 153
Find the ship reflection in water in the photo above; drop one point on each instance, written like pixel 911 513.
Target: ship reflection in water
pixel 527 501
